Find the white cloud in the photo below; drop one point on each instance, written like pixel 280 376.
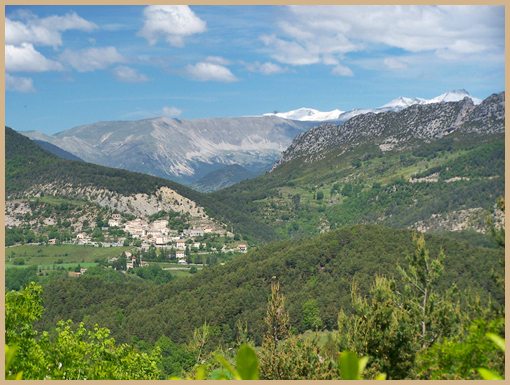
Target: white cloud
pixel 25 58
pixel 91 59
pixel 170 22
pixel 46 31
pixel 171 112
pixel 217 60
pixel 18 83
pixel 394 63
pixel 290 52
pixel 326 34
pixel 210 71
pixel 129 75
pixel 341 70
pixel 266 68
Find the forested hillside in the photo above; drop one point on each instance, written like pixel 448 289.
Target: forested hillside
pixel 366 185
pixel 320 269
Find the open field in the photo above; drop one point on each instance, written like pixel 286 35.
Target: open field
pixel 61 254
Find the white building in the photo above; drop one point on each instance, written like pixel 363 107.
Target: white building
pixel 181 245
pixel 193 232
pixel 180 254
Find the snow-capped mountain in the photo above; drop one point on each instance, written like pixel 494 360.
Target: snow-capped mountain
pixel 453 96
pixel 397 129
pixel 402 102
pixel 190 151
pixel 308 114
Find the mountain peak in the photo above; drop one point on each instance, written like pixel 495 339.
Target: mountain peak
pixel 307 114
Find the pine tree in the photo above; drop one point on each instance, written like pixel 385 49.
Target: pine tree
pixel 436 315
pixel 277 329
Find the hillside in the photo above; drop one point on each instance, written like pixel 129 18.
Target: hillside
pixel 30 171
pixel 224 177
pixel 56 150
pixel 434 167
pixel 320 268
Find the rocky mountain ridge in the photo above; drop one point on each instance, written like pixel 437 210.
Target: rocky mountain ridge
pixel 180 150
pixel 390 130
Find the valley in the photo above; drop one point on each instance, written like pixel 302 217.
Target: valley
pixel 255 192
pixel 139 254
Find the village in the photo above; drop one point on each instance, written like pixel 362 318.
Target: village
pixel 164 242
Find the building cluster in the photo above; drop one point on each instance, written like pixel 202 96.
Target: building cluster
pixel 157 234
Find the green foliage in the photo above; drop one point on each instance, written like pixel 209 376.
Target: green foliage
pixel 10 353
pixel 435 314
pixel 320 267
pixel 247 363
pixel 16 279
pixel 153 273
pixel 459 357
pixel 381 328
pixel 311 315
pixel 297 358
pixel 175 359
pixel 68 351
pixel 351 367
pixel 378 191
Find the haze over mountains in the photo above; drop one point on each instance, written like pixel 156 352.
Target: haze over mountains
pixel 207 154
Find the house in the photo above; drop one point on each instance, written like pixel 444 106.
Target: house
pixel 161 241
pixel 243 248
pixel 128 254
pixel 74 274
pixel 113 223
pixel 159 225
pixel 196 245
pixel 193 232
pixel 52 241
pixel 180 254
pixel 181 244
pixel 83 270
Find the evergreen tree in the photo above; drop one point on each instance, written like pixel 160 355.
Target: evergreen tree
pixel 436 315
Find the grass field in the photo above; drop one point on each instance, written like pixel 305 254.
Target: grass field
pixel 66 255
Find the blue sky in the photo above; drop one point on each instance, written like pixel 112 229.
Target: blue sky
pixel 73 65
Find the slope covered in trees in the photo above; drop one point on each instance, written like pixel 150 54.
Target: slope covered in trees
pixel 316 276
pixel 399 188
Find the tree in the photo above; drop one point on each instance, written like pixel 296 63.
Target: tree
pixel 311 315
pixel 277 318
pixel 457 358
pixel 277 329
pixel 68 351
pixel 379 327
pixel 435 315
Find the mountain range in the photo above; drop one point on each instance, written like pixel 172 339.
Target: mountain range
pixel 310 114
pixel 433 167
pixel 202 152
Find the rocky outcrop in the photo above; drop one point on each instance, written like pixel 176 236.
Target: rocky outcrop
pixel 394 130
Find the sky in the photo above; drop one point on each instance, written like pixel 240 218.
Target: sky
pixel 72 65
